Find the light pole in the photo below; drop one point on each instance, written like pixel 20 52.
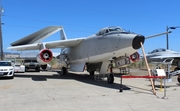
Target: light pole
pixel 167 38
pixel 1 39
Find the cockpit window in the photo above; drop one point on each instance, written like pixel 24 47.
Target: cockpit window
pixel 101 32
pixel 162 50
pixel 158 50
pixel 116 29
pixel 110 30
pixel 107 30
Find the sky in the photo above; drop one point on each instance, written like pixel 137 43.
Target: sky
pixel 81 18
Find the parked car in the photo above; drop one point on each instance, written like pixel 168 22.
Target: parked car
pixel 31 64
pixel 18 67
pixel 6 69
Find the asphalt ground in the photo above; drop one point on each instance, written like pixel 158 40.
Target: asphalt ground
pixel 47 91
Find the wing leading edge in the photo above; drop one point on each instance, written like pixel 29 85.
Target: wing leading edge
pixel 49 45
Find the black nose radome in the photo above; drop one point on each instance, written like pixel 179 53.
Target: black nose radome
pixel 137 40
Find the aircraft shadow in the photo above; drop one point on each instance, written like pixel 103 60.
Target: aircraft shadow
pixel 85 79
pixel 78 77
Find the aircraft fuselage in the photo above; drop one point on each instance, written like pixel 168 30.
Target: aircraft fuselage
pixel 101 48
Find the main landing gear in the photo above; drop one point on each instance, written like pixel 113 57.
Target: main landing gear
pixel 178 78
pixel 64 71
pixel 110 77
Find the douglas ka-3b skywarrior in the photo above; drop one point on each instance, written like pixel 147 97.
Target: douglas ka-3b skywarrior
pixel 93 52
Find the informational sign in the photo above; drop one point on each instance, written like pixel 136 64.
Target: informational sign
pixel 160 72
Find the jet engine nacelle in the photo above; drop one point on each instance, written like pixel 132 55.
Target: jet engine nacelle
pixel 134 57
pixel 44 56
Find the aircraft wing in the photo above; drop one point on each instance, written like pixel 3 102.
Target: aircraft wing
pixel 25 47
pixel 166 57
pixel 50 45
pixel 37 36
pixel 63 43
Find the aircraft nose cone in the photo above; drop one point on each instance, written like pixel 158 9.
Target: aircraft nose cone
pixel 137 40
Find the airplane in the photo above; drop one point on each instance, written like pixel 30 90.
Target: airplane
pixel 92 53
pixel 168 57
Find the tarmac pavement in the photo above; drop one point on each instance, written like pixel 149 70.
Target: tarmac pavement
pixel 47 91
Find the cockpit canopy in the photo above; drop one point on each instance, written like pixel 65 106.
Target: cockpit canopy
pixel 112 29
pixel 158 50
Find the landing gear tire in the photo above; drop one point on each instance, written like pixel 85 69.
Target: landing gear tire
pixel 92 73
pixel 178 78
pixel 110 78
pixel 38 69
pixel 26 69
pixel 64 71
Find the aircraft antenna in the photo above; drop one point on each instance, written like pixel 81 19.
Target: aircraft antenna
pixel 1 39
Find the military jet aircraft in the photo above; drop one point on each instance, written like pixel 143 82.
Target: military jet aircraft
pixel 93 53
pixel 161 54
pixel 168 57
